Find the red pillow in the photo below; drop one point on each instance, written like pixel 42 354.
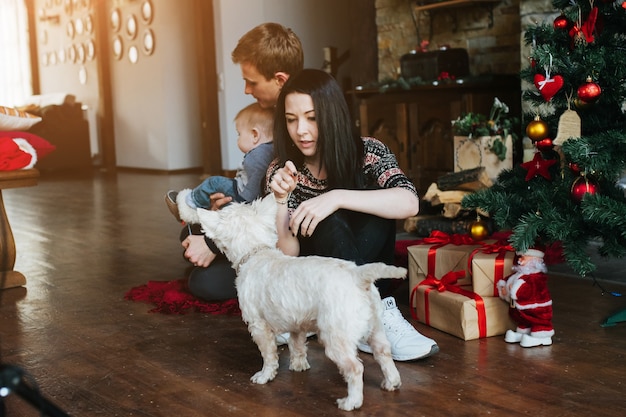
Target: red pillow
pixel 42 146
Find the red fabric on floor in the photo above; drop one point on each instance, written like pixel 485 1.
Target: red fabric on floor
pixel 173 297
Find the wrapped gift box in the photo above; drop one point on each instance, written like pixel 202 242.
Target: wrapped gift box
pixel 467 317
pixel 488 269
pixel 472 152
pixel 438 259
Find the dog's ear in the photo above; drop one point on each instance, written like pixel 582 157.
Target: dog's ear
pixel 208 220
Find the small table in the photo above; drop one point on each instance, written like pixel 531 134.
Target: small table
pixel 11 179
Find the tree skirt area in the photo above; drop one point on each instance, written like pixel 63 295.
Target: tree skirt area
pixel 173 297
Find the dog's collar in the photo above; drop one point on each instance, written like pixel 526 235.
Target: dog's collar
pixel 249 255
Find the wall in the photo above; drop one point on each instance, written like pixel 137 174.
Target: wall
pixel 491 49
pixel 155 100
pixel 155 104
pixel 65 36
pixel 318 24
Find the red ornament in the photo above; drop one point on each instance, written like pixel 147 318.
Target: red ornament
pixel 544 144
pixel 548 87
pixel 538 166
pixel 574 167
pixel 589 92
pixel 581 186
pixel 562 23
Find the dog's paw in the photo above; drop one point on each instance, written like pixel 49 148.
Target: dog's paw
pixel 349 404
pixel 299 364
pixel 391 384
pixel 263 376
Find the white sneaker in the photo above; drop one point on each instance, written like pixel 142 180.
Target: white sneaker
pixel 407 344
pixel 283 338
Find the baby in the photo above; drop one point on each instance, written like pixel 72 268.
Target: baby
pixel 254 126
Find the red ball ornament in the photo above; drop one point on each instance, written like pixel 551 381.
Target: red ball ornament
pixel 574 167
pixel 561 23
pixel 544 144
pixel 589 92
pixel 581 186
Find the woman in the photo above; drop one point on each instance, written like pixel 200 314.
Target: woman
pixel 338 194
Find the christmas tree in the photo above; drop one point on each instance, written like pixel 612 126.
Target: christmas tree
pixel 575 116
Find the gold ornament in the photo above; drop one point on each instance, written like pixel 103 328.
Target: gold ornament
pixel 479 229
pixel 537 129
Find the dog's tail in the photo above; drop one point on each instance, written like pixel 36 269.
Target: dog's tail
pixel 370 273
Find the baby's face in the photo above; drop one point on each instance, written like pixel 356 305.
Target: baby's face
pixel 245 136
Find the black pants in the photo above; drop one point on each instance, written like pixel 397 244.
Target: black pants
pixel 361 238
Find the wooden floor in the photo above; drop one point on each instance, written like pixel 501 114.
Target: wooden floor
pixel 82 242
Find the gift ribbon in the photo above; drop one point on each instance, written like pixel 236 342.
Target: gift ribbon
pixel 447 283
pixel 501 248
pixel 439 239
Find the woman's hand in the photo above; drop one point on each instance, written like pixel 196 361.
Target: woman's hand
pixel 197 251
pixel 284 180
pixel 311 212
pixel 219 200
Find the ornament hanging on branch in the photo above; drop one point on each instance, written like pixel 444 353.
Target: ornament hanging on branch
pixel 589 92
pixel 537 129
pixel 569 126
pixel 479 229
pixel 538 166
pixel 583 32
pixel 582 186
pixel 562 23
pixel 544 145
pixel 547 85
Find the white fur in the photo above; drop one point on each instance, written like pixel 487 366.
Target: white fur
pixel 278 293
pixel 186 213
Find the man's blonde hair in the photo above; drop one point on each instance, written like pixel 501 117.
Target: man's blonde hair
pixel 270 48
pixel 255 116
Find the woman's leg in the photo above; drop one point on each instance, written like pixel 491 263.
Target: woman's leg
pixel 357 237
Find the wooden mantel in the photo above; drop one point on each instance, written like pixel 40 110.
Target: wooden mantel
pixel 11 179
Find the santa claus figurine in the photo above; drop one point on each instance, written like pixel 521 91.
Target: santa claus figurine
pixel 531 305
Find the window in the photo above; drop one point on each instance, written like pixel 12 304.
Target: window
pixel 15 73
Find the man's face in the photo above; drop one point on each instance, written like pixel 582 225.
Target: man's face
pixel 264 91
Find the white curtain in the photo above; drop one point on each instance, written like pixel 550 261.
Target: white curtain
pixel 15 75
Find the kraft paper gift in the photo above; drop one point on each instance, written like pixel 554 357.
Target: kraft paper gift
pixel 439 254
pixel 489 265
pixel 463 314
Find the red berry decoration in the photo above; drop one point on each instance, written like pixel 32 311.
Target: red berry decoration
pixel 589 92
pixel 561 23
pixel 581 186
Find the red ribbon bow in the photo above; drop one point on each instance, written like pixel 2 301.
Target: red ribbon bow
pixel 501 247
pixel 447 283
pixel 440 238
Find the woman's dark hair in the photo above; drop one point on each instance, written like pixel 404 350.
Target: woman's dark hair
pixel 339 146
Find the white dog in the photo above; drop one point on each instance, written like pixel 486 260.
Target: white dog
pixel 278 293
